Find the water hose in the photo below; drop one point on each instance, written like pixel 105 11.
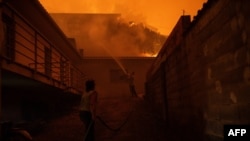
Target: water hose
pixel 114 129
pixel 106 125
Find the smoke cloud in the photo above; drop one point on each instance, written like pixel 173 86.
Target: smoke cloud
pixel 109 34
pixel 121 38
pixel 134 32
pixel 161 14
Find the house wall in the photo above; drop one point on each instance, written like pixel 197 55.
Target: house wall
pixel 110 78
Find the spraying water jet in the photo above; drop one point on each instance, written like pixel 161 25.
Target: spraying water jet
pixel 116 60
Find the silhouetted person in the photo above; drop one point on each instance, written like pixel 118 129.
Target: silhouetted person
pixel 131 84
pixel 88 109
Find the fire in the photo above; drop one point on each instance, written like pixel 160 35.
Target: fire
pixel 149 54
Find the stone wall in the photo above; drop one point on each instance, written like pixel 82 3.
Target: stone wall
pixel 207 73
pixel 223 43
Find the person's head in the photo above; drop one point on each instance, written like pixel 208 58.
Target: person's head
pixel 90 85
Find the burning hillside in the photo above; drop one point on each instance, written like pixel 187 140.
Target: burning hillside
pixel 109 34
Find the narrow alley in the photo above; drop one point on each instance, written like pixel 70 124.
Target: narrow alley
pixel 192 85
pixel 131 114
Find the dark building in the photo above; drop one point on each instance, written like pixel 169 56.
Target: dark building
pixel 38 62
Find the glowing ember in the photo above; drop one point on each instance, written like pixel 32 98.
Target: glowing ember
pixel 148 54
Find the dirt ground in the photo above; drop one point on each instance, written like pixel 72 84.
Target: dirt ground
pixel 66 128
pixel 139 123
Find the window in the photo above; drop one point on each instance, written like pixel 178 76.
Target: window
pixel 117 76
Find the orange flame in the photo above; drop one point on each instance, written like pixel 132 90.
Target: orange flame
pixel 149 54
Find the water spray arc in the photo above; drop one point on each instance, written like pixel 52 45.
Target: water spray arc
pixel 116 60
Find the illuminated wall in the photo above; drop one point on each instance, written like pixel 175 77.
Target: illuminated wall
pixel 110 78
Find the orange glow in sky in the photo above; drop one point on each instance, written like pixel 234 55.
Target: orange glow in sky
pixel 160 14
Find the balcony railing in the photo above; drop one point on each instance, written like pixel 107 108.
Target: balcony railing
pixel 23 44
